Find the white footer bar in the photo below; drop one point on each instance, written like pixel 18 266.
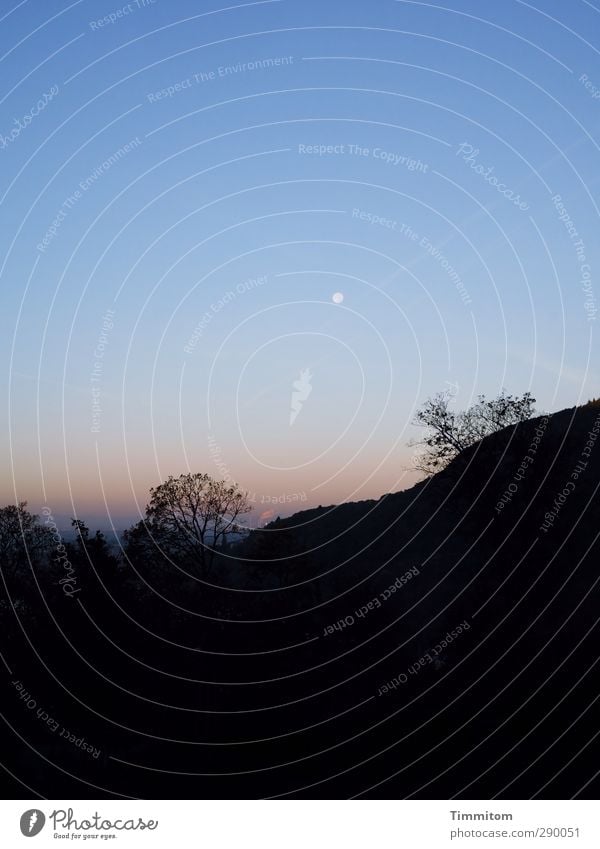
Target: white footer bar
pixel 292 824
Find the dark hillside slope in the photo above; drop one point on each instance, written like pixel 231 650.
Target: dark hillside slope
pixel 505 539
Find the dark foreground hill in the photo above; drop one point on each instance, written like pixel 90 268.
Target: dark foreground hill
pixel 437 642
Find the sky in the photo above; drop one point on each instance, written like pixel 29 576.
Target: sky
pixel 251 240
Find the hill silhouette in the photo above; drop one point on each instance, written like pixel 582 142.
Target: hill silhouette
pixel 437 642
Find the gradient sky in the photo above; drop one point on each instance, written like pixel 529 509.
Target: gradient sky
pixel 217 241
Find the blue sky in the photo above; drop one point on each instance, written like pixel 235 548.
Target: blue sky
pixel 218 174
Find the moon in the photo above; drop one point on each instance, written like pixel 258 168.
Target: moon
pixel 337 298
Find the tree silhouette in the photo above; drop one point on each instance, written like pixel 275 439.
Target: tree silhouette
pixel 93 550
pixel 22 537
pixel 190 519
pixel 449 433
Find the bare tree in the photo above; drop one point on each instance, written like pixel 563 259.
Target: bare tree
pixel 192 516
pixel 449 433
